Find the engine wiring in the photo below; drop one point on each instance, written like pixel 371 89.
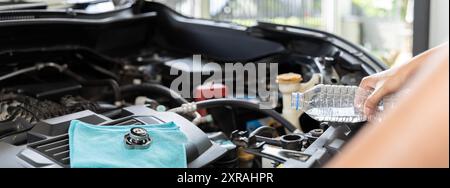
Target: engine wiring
pixel 65 70
pixel 13 106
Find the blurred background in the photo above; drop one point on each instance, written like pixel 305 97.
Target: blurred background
pixel 384 27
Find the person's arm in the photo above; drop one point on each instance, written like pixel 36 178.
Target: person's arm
pixel 413 134
pixel 394 79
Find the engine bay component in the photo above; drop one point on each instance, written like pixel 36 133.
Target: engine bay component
pixel 239 103
pixel 13 106
pixel 200 150
pixel 137 138
pixel 290 83
pixel 296 150
pixel 292 142
pixel 115 69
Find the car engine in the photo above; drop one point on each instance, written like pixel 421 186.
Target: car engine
pixel 103 74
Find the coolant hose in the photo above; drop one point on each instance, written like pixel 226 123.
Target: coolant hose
pixel 108 82
pixel 148 88
pixel 64 69
pixel 247 105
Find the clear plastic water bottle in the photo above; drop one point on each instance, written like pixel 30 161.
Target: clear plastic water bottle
pixel 333 103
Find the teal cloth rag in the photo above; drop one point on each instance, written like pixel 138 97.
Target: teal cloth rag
pixel 93 146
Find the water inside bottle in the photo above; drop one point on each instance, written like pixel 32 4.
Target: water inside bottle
pixel 336 114
pixel 343 104
pixel 333 103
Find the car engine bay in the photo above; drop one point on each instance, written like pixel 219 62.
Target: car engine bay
pixel 115 69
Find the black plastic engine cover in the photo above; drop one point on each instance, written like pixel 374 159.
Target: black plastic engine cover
pixel 49 140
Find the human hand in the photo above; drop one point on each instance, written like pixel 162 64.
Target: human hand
pixel 381 85
pixel 392 80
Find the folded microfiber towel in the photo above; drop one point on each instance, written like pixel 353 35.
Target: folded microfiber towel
pixel 93 146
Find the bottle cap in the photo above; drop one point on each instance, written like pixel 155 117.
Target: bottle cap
pixel 289 78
